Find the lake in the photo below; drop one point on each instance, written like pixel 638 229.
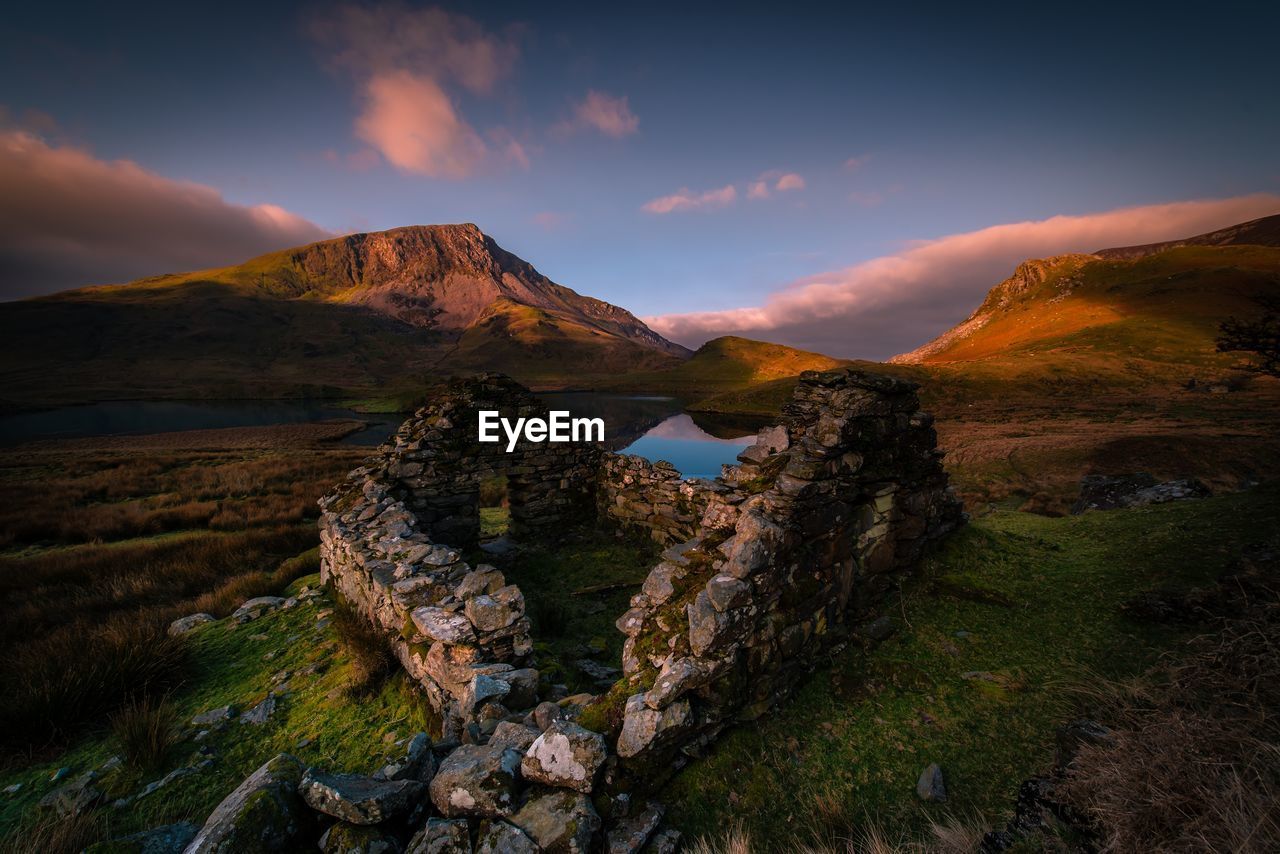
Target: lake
pixel 652 426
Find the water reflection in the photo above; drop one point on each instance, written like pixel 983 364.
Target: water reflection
pixel 693 451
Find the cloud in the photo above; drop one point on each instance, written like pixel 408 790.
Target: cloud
pixel 758 190
pixel 685 199
pixel 855 163
pixel 70 219
pixel 412 122
pixel 550 220
pixel 897 302
pixel 609 114
pixel 403 59
pixel 789 181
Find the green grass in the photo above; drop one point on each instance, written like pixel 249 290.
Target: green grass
pixel 1039 599
pixel 235 664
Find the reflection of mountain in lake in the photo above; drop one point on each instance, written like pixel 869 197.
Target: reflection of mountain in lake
pixel 626 417
pixel 692 450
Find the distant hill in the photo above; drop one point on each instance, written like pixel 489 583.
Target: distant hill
pixel 363 312
pixel 1127 315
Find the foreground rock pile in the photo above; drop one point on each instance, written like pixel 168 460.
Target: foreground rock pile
pixel 523 791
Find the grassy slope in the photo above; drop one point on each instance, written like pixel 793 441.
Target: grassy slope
pixel 841 753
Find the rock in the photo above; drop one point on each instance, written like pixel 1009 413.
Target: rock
pixel 489 613
pixel 754 542
pixel 524 688
pixel 441 625
pixel 477 780
pixel 645 729
pixel 659 584
pixel 213 716
pixel 546 713
pixel 516 736
pixel 675 678
pixel 483 689
pixel 73 798
pixel 166 839
pixel 417 762
pixel 559 821
pixel 483 579
pixel 629 835
pixel 263 814
pixel 880 628
pixel 13 789
pixel 725 592
pixel 597 671
pixel 566 755
pixel 499 837
pixel 260 713
pixel 773 439
pixel 182 625
pixel 664 842
pixel 1072 736
pixel 358 799
pixel 344 838
pixel 710 630
pixel 255 608
pixel 930 786
pixel 174 775
pixel 1098 492
pixel 441 836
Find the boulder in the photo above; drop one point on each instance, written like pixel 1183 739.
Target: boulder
pixel 725 592
pixel 260 713
pixel 645 729
pixel 664 842
pixel 516 736
pixel 182 625
pixel 213 716
pixel 358 799
pixel 482 689
pixel 675 678
pixel 416 763
pixel 630 835
pixel 483 579
pixel 255 608
pixel 477 780
pixel 166 839
pixel 930 786
pixel 263 814
pixel 559 821
pixel 344 838
pixel 710 629
pixel 499 837
pixel 74 798
pixel 441 836
pixel 438 624
pixel 566 755
pixel 491 612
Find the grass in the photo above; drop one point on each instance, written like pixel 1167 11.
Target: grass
pixel 317 719
pixel 146 730
pixel 104 548
pixel 975 685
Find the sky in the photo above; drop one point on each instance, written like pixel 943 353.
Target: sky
pixel 847 180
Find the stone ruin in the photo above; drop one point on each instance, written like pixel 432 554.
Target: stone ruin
pixel 766 568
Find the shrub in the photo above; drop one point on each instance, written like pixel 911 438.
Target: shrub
pixel 368 650
pixel 146 728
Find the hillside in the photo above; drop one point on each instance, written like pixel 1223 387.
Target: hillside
pixel 1125 315
pixel 384 310
pixel 726 365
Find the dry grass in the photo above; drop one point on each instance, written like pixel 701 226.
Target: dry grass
pixel 366 648
pixel 88 586
pixel 1196 763
pixel 49 834
pixel 948 836
pixel 146 729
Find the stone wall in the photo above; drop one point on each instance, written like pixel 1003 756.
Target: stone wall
pixel 780 557
pixel 808 533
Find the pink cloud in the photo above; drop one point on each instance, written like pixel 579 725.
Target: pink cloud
pixel 609 114
pixel 855 163
pixel 758 190
pixel 685 199
pixel 897 302
pixel 71 219
pixel 550 220
pixel 412 122
pixel 789 181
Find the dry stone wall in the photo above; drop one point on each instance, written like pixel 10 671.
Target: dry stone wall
pixel 799 544
pixel 766 568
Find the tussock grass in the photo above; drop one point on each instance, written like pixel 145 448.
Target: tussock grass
pixel 146 729
pixel 370 655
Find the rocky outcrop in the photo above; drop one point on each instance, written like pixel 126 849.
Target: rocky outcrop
pixel 1100 492
pixel 264 813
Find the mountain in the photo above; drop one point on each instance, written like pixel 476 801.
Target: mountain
pixel 366 312
pixel 1127 314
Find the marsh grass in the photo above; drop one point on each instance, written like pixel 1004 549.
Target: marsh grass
pixel 146 729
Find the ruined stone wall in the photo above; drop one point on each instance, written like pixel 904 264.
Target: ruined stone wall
pixel 821 517
pixel 654 499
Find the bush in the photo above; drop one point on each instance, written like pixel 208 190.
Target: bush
pixel 367 649
pixel 146 729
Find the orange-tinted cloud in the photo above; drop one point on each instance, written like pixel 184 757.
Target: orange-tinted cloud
pixel 412 122
pixel 70 219
pixel 897 302
pixel 685 199
pixel 403 60
pixel 789 181
pixel 609 114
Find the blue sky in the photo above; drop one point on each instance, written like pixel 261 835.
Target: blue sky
pixel 956 121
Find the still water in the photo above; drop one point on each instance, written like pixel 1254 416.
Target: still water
pixel 652 426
